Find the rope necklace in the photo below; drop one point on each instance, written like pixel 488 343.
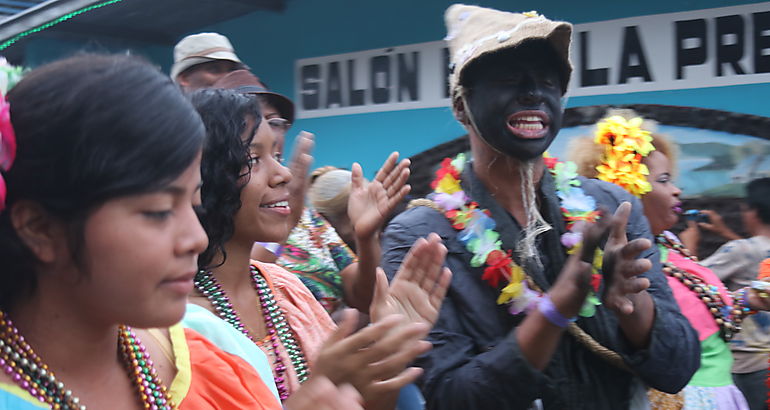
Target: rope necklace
pixel 27 370
pixel 278 330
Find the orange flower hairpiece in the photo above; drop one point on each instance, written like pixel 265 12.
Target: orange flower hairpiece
pixel 625 144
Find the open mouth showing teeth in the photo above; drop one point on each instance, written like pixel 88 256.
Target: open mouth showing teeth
pixel 527 123
pixel 279 204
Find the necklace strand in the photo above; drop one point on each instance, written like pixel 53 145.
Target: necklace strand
pixel 19 361
pixel 278 330
pixel 727 317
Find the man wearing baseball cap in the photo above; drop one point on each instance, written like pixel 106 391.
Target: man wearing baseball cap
pixel 557 299
pixel 202 59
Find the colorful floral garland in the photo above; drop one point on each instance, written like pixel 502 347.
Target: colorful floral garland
pixel 625 144
pixel 477 231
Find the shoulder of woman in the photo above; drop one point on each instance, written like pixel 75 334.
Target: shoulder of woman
pixel 605 193
pixel 279 277
pixel 305 314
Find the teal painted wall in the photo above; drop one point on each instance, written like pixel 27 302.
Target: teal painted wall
pixel 270 42
pixel 45 48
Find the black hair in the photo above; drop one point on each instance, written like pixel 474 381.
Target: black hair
pixel 225 167
pixel 758 198
pixel 89 128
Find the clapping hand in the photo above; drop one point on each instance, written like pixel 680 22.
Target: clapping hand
pixel 319 393
pixel 373 359
pixel 299 165
pixel 370 203
pixel 621 265
pixel 419 287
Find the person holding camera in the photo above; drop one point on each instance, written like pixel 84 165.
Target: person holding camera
pixel 737 263
pixel 708 220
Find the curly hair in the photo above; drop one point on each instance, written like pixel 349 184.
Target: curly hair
pixel 225 167
pixel 89 129
pixel 587 154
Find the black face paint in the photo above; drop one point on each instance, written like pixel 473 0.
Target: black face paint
pixel 514 98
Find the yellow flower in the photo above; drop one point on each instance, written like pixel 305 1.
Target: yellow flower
pixel 517 273
pixel 448 185
pixel 598 259
pixel 512 291
pixel 624 135
pixel 531 14
pixel 626 144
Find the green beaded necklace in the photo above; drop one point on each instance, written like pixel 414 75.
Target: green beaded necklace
pixel 278 330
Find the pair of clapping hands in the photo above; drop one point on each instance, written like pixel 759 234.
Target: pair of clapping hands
pixel 369 367
pixel 374 360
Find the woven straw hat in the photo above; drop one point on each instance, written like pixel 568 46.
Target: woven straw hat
pixel 474 31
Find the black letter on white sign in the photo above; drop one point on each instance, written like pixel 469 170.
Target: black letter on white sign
pixel 407 76
pixel 730 53
pixel 311 86
pixel 380 72
pixel 686 29
pixel 633 47
pixel 590 77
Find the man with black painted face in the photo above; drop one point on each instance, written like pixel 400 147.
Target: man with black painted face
pixel 514 99
pixel 503 341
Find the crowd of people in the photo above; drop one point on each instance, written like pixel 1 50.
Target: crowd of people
pixel 158 252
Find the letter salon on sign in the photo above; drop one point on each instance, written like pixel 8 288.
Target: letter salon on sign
pixel 694 49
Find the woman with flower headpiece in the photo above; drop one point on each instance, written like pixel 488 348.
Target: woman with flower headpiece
pixel 624 152
pixel 538 313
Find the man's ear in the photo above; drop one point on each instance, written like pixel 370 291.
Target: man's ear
pixel 43 234
pixel 182 80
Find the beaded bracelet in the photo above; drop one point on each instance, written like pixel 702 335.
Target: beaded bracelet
pixel 546 307
pixel 743 302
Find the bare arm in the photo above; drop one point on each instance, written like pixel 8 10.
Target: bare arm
pixel 368 207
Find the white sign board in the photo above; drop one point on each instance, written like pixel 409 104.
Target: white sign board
pixel 695 49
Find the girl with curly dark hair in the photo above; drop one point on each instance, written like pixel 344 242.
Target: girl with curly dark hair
pixel 245 199
pixel 99 240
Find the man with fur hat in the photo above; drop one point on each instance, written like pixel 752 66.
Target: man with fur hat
pixel 509 217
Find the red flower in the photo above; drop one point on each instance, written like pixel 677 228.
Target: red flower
pixel 550 162
pixel 596 280
pixel 497 271
pixel 458 218
pixel 494 256
pixel 446 168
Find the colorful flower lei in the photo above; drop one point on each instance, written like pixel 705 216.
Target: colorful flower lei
pixel 625 144
pixel 477 231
